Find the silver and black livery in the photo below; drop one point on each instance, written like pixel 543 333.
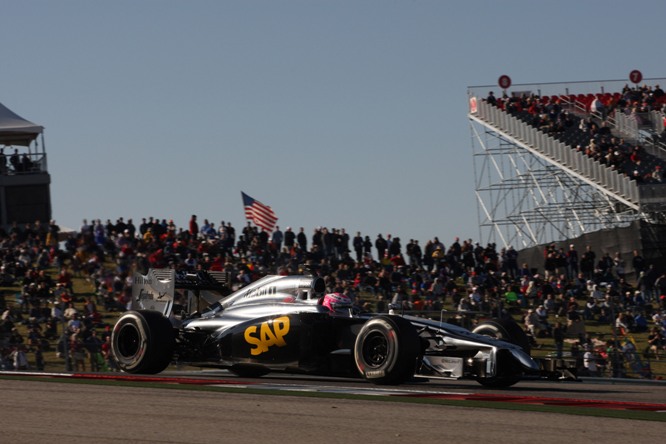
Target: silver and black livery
pixel 278 324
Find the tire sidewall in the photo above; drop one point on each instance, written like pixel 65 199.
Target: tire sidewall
pixel 131 322
pixel 374 327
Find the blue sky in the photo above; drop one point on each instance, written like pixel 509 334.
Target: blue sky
pixel 345 114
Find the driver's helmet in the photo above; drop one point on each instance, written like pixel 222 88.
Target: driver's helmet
pixel 336 301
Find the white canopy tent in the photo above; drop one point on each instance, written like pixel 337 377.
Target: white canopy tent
pixel 15 130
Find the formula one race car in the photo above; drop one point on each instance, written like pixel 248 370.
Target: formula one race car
pixel 288 324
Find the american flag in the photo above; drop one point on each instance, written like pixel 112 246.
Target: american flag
pixel 262 215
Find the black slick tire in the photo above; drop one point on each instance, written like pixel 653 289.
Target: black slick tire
pixel 143 342
pixel 386 350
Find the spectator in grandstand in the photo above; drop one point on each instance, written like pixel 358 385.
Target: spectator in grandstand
pixel 648 283
pixel 619 266
pixel 74 324
pixel 511 297
pixel 491 98
pixel 659 319
pixel 193 227
pixel 575 325
pixel 656 342
pixel 656 176
pixel 93 346
pixel 381 245
pixel 572 261
pixel 590 310
pixel 638 300
pixel 475 298
pixel 19 358
pixel 464 305
pixel 640 323
pixel 357 244
pixel 559 333
pixel 622 324
pixel 532 323
pixel 77 352
pixel 593 289
pixel 509 259
pixel 542 316
pixel 587 262
pixel 598 107
pixel 590 359
pixel 636 156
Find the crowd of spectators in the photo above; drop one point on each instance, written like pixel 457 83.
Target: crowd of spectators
pixel 463 277
pixel 16 163
pixel 589 132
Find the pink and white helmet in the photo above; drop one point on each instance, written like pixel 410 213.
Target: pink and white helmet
pixel 334 301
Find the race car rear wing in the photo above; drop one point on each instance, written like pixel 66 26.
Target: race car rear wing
pixel 161 288
pixel 154 291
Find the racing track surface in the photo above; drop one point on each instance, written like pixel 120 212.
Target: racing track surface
pixel 586 390
pixel 37 412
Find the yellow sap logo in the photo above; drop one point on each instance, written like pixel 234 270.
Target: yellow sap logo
pixel 271 333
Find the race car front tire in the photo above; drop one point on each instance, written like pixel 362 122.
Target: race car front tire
pixel 386 350
pixel 143 342
pixel 508 371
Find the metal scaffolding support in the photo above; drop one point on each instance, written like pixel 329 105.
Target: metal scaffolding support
pixel 523 200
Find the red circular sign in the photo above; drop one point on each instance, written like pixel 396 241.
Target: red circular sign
pixel 636 76
pixel 504 82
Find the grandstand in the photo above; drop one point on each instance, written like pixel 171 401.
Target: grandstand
pixel 577 162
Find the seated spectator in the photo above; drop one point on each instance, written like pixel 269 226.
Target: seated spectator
pixel 590 310
pixel 19 358
pixel 656 343
pixel 70 311
pixel 542 315
pixel 640 324
pixel 590 361
pixel 575 325
pixel 533 324
pixel 635 155
pixel 621 325
pixel 74 324
pixel 656 176
pixel 597 294
pixel 511 297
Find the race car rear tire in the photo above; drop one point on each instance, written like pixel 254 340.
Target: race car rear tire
pixel 506 330
pixel 143 342
pixel 386 350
